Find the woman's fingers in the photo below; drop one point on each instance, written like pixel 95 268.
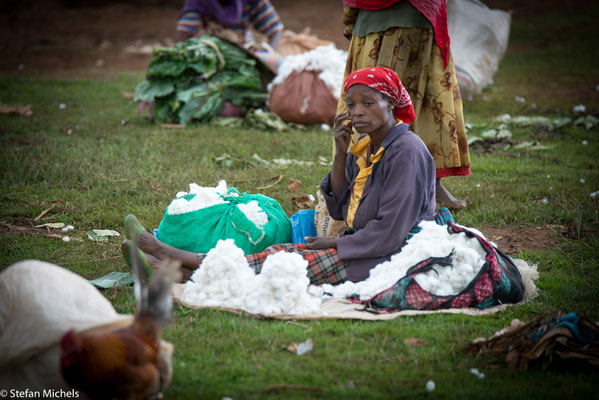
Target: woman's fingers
pixel 340 118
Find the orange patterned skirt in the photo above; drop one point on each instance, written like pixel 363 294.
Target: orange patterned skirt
pixel 413 55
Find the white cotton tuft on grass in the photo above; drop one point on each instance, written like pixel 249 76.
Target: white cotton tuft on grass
pixel 204 197
pixel 225 279
pixel 327 60
pixel 432 241
pixel 475 371
pixel 430 386
pixel 254 213
pixel 504 118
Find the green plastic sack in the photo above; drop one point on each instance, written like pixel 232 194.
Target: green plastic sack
pixel 199 231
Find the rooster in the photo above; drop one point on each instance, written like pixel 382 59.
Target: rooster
pixel 123 363
pixel 57 331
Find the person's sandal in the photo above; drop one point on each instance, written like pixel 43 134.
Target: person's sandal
pixel 126 250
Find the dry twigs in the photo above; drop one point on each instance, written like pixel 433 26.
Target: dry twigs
pixel 279 179
pixel 114 180
pixel 35 231
pixel 45 212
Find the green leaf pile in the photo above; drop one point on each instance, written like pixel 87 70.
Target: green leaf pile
pixel 193 80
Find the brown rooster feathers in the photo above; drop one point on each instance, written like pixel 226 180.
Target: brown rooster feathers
pixel 123 363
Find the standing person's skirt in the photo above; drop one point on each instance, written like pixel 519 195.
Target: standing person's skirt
pixel 413 55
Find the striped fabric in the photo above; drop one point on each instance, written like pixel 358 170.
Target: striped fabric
pixel 258 14
pixel 263 17
pixel 189 22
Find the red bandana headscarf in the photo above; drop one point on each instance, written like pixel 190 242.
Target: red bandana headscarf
pixel 387 82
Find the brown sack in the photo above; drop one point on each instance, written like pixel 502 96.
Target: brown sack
pixel 304 99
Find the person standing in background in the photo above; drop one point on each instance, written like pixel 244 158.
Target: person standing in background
pixel 411 38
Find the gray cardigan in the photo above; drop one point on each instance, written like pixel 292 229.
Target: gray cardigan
pixel 398 194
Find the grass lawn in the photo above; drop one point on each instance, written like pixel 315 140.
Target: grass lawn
pixel 96 161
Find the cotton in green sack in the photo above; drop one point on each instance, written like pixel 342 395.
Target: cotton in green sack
pixel 198 231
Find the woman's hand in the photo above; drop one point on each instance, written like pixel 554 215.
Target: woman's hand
pixel 321 243
pixel 342 132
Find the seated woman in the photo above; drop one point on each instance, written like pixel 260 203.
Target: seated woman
pixel 382 188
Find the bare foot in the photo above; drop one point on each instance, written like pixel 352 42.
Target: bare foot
pixel 445 199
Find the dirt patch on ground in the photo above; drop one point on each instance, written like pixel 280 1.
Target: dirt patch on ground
pixel 72 40
pixel 514 240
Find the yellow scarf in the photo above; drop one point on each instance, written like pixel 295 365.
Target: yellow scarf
pixel 360 150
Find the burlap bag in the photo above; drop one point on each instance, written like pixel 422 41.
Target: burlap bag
pixel 303 98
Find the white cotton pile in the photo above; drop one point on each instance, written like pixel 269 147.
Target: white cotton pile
pixel 326 59
pixel 204 197
pixel 254 213
pixel 432 241
pixel 281 287
pixel 221 279
pixel 225 279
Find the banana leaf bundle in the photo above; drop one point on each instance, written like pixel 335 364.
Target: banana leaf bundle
pixel 193 80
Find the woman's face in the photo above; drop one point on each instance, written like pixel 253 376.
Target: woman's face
pixel 368 109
